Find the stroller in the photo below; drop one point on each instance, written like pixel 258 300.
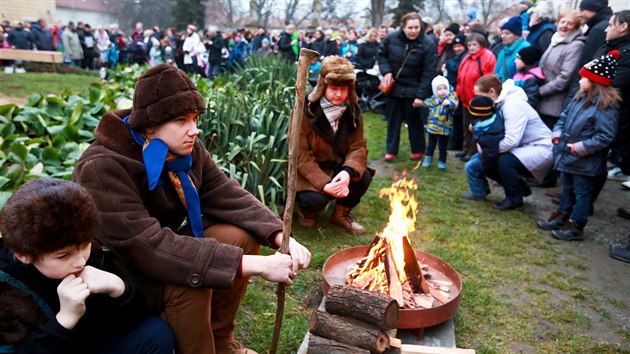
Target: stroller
pixel 371 99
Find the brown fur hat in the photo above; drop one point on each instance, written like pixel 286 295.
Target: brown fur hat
pixel 335 71
pixel 45 215
pixel 161 94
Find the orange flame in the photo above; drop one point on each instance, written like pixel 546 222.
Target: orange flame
pixel 370 272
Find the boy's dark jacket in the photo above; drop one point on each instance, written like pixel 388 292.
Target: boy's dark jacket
pixel 489 140
pixel 24 324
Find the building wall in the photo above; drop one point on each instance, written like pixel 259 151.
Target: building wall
pixel 27 10
pixel 94 19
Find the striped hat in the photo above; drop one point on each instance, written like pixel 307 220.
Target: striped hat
pixel 481 107
pixel 602 69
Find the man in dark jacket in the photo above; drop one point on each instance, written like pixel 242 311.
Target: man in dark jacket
pixel 285 44
pixel 41 36
pixel 19 38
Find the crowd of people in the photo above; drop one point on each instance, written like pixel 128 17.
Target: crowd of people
pixel 151 224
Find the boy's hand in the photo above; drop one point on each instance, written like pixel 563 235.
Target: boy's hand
pixel 446 102
pixel 102 282
pixel 72 292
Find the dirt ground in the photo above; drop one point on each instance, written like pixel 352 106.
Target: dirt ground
pixel 599 273
pixel 6 100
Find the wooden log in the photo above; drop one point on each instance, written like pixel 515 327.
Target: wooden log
pixel 319 345
pixel 349 331
pixel 364 305
pixel 393 278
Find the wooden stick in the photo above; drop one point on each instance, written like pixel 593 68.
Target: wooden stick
pixel 364 305
pixel 293 137
pixel 319 345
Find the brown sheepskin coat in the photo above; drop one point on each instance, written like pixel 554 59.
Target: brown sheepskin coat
pixel 322 153
pixel 140 226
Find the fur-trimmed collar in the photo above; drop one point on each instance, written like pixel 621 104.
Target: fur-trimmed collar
pixel 112 133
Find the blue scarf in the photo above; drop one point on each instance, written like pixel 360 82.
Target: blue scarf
pixel 154 155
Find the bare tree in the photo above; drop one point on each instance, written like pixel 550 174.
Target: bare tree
pixel 377 12
pixel 316 12
pixel 150 12
pixel 491 10
pixel 438 7
pixel 260 11
pixel 221 12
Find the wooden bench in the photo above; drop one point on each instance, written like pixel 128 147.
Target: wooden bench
pixel 41 56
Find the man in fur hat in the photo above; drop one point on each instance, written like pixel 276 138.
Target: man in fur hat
pixel 186 233
pixel 333 152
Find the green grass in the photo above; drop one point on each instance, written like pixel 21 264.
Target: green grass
pixel 24 85
pixel 515 295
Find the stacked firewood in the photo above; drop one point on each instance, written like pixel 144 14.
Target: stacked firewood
pixel 353 320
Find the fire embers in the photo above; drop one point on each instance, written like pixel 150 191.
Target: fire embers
pixel 390 266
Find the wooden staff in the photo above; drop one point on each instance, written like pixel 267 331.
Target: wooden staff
pixel 293 137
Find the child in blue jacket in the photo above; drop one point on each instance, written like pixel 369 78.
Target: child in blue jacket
pixel 584 130
pixel 442 106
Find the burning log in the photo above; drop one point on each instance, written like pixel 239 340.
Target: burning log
pixel 380 310
pixel 349 331
pixel 319 345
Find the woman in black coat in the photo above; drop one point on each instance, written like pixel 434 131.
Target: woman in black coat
pixel 412 82
pixel 367 51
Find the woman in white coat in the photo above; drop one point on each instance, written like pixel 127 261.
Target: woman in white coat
pixel 525 151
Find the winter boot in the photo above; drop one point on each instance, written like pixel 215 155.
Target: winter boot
pixel 306 219
pixel 441 165
pixel 341 216
pixel 621 253
pixel 556 221
pixel 427 161
pixel 572 231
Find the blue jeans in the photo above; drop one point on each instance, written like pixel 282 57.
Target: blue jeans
pixel 576 196
pixel 153 336
pixel 476 179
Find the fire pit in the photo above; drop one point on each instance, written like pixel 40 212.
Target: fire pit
pixel 336 268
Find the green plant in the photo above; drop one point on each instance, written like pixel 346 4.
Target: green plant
pixel 245 126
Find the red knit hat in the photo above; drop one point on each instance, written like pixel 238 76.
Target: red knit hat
pixel 602 69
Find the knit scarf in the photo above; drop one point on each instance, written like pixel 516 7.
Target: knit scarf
pixel 156 156
pixel 557 38
pixel 332 112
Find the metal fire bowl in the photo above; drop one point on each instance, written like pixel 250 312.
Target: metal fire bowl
pixel 336 268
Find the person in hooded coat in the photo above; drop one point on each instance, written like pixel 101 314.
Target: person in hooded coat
pixel 333 151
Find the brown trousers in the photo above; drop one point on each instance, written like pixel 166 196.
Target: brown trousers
pixel 203 319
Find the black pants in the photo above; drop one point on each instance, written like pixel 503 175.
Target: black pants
pixel 549 121
pixel 455 141
pixel 314 202
pixel 469 145
pixel 510 170
pixel 397 111
pixel 441 141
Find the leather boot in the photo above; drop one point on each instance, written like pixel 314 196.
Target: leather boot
pixel 306 219
pixel 341 216
pixel 556 221
pixel 572 231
